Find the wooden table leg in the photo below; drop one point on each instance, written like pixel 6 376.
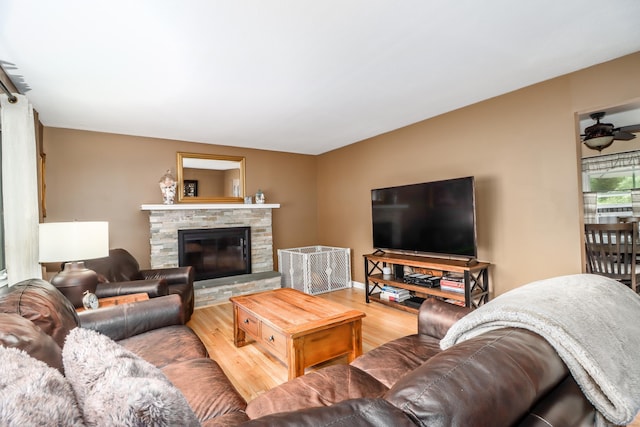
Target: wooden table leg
pixel 239 336
pixel 295 358
pixel 356 338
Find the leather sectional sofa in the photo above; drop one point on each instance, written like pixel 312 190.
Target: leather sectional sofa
pixel 505 377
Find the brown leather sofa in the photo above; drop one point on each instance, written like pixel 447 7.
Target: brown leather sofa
pixel 507 377
pixel 119 273
pixel 37 318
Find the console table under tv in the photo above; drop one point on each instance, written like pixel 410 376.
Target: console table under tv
pixel 475 276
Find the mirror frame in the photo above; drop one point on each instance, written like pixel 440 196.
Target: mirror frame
pixel 197 199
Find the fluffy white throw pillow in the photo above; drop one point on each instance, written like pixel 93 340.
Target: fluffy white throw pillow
pixel 114 387
pixel 34 393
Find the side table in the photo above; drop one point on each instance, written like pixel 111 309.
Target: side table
pixel 117 300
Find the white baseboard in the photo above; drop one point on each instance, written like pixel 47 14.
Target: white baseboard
pixel 357 284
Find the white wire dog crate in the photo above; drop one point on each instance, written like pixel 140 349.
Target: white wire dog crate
pixel 315 269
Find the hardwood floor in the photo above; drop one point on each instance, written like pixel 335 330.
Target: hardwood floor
pixel 253 371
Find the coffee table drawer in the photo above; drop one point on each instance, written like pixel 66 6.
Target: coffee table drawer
pixel 248 322
pixel 275 341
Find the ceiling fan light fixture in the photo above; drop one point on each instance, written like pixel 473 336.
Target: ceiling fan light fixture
pixel 599 142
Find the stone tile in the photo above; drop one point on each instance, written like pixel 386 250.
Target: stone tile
pixel 164 226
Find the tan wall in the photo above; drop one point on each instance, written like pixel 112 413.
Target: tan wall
pixel 522 148
pixel 101 176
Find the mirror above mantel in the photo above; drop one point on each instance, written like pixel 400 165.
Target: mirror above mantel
pixel 208 178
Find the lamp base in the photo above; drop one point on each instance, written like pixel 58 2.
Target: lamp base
pixel 74 280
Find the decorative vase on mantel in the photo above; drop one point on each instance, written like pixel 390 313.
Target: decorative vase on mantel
pixel 259 197
pixel 168 188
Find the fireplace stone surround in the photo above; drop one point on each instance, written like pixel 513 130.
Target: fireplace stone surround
pixel 166 220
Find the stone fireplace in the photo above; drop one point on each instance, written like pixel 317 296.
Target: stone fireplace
pixel 166 220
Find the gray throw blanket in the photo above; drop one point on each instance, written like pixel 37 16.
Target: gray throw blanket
pixel 593 322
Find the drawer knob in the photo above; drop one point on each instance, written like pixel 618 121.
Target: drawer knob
pixel 272 338
pixel 246 321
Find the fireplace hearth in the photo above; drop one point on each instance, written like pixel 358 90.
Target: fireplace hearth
pixel 215 252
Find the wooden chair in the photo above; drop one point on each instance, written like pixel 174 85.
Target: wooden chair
pixel 611 251
pixel 623 219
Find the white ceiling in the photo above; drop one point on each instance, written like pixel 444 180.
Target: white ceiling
pixel 293 75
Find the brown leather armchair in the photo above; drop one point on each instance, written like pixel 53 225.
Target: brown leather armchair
pixel 119 273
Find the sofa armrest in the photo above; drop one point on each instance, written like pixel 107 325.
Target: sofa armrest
pixel 436 317
pixel 126 320
pixel 152 287
pixel 491 379
pixel 173 275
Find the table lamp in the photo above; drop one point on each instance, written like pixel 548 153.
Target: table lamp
pixel 70 242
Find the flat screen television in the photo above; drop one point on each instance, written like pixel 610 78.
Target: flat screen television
pixel 434 218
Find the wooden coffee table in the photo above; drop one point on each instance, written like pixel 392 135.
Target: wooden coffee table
pixel 300 330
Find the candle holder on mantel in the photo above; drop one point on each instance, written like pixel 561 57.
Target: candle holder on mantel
pixel 168 187
pixel 259 197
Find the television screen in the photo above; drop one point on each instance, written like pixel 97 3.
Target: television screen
pixel 433 217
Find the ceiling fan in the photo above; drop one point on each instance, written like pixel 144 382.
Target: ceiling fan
pixel 601 135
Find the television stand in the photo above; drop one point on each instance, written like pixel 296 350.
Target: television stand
pixel 474 276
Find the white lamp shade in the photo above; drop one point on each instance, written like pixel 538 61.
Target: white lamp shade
pixel 73 241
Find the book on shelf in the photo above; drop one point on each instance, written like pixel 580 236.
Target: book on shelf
pixel 390 296
pixel 394 290
pixel 455 301
pixel 456 289
pixel 391 293
pixel 454 277
pixel 452 283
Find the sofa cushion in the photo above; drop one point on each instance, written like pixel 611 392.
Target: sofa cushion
pixel 115 387
pixel 18 332
pixel 43 304
pixel 492 379
pixel 206 387
pixel 34 394
pixel 349 413
pixel 169 344
pixel 231 419
pixel 319 388
pixel 392 360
